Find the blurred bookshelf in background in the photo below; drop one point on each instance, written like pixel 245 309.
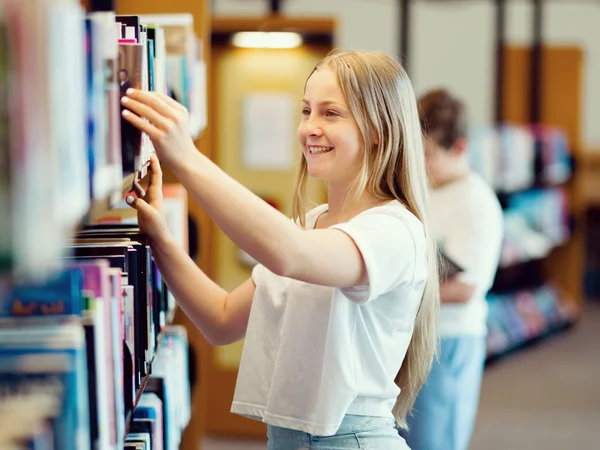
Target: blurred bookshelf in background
pixel 529 167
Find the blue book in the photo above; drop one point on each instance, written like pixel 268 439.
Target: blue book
pixel 151 407
pixel 151 64
pixel 59 296
pixel 53 358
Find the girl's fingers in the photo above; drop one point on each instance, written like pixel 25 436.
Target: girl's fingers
pixel 152 101
pixel 145 111
pixel 171 102
pixel 141 124
pixel 139 190
pixel 138 204
pixel 155 178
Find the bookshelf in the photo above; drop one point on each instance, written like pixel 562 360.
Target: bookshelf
pixel 84 311
pixel 538 296
pixel 199 9
pixel 146 379
pixel 539 86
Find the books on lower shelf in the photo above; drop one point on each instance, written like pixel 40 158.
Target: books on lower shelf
pixel 527 167
pixel 95 335
pixel 517 318
pixel 62 73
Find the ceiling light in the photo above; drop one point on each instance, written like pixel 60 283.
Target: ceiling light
pixel 272 39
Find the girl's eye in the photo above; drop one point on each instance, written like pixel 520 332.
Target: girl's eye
pixel 331 113
pixel 305 112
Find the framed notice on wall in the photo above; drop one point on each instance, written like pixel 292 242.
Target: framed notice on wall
pixel 268 131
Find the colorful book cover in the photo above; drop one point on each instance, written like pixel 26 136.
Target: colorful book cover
pixel 52 358
pixel 96 284
pixel 58 296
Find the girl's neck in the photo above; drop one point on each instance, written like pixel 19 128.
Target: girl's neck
pixel 336 199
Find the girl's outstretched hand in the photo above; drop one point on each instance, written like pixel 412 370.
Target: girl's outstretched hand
pixel 167 124
pixel 151 218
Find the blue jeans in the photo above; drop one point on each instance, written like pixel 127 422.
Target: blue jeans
pixel 355 432
pixel 444 413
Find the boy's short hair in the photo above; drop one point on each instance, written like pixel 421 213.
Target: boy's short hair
pixel 442 117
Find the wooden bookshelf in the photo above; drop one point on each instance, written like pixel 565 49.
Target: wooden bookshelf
pixel 587 184
pixel 309 25
pixel 199 9
pixel 562 94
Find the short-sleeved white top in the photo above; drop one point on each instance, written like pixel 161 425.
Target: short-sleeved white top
pixel 467 223
pixel 312 353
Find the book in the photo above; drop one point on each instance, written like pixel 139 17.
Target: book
pixel 448 267
pixel 108 49
pixel 130 65
pixel 51 356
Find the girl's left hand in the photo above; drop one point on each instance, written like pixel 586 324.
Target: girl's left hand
pixel 167 124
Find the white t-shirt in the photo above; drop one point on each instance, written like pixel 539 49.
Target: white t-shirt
pixel 315 353
pixel 467 222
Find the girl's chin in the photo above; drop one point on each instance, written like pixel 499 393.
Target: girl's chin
pixel 317 172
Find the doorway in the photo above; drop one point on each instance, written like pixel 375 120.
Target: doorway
pixel 242 77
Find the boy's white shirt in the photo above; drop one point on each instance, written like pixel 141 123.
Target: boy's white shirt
pixel 467 223
pixel 313 354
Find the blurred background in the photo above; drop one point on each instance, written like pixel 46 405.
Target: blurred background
pixel 528 72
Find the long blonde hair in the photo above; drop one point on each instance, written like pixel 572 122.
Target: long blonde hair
pixel 381 99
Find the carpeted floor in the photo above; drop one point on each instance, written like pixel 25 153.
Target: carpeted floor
pixel 546 397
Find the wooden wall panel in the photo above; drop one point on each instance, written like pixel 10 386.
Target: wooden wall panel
pixel 562 72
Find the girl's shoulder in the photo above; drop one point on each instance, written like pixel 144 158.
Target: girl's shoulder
pixel 396 209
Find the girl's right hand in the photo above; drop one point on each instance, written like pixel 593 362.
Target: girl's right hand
pixel 151 218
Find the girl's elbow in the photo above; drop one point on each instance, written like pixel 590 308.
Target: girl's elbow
pixel 221 337
pixel 282 268
pixel 217 341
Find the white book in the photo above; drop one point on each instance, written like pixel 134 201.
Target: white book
pixel 38 236
pixel 110 30
pixel 66 44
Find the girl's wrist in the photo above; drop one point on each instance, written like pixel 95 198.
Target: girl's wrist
pixel 188 162
pixel 162 241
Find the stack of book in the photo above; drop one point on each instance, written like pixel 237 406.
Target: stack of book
pixel 514 158
pixel 527 166
pixel 67 147
pixel 524 316
pixel 163 409
pixel 93 334
pixel 85 317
